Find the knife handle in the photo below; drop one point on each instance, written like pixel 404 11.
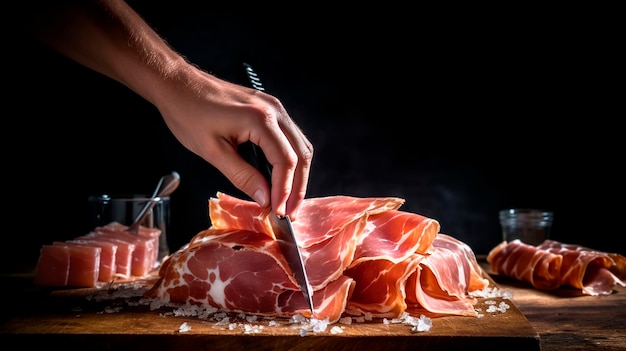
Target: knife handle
pixel 261 163
pixel 258 157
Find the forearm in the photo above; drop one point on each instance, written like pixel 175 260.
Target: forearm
pixel 109 37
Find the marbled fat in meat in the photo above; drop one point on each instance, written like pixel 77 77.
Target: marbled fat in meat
pixel 360 254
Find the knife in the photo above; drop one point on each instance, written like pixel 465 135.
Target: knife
pixel 281 225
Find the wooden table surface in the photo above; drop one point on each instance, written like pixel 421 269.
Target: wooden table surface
pixel 563 320
pixel 567 320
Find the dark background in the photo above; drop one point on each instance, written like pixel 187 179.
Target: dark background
pixel 461 116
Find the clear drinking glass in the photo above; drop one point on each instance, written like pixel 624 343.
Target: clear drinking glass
pixel 531 226
pixel 124 208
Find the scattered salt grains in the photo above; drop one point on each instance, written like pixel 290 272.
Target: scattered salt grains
pixel 252 329
pixel 123 291
pixel 501 307
pixel 491 292
pixel 310 325
pixel 305 325
pixel 423 324
pixel 419 324
pixel 190 310
pixel 319 325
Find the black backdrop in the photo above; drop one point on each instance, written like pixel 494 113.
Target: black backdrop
pixel 461 117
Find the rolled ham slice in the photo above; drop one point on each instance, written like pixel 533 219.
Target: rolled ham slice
pixel 525 262
pixel 594 272
pixel 553 264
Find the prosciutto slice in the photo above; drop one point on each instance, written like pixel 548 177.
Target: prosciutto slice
pixel 243 271
pixel 360 255
pixel 440 287
pixel 553 264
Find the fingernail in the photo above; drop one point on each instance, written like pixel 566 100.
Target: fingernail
pixel 294 215
pixel 281 211
pixel 260 198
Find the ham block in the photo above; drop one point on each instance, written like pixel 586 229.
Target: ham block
pixel 143 258
pixel 53 266
pixel 63 264
pixel 84 266
pixel 102 255
pixel 107 257
pixel 153 235
pixel 123 255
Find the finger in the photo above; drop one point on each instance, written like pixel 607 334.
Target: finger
pixel 242 174
pixel 304 152
pixel 282 157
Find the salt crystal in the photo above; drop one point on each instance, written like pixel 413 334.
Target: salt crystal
pixel 223 321
pixel 336 330
pixel 296 319
pixel 423 324
pixel 156 304
pixel 252 329
pixel 109 309
pixel 251 318
pixel 319 325
pixel 359 319
pixel 184 328
pixel 345 320
pixel 502 307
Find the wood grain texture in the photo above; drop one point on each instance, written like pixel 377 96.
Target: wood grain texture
pixel 77 320
pixel 566 320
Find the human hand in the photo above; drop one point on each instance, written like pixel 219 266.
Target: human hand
pixel 211 117
pixel 207 115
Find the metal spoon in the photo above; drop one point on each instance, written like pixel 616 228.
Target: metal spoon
pixel 167 184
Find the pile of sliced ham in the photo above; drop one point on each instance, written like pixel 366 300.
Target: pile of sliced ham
pixel 106 253
pixel 553 264
pixel 363 257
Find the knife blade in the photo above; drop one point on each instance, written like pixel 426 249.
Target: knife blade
pixel 281 225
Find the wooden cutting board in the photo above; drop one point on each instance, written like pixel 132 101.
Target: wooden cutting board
pixel 117 318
